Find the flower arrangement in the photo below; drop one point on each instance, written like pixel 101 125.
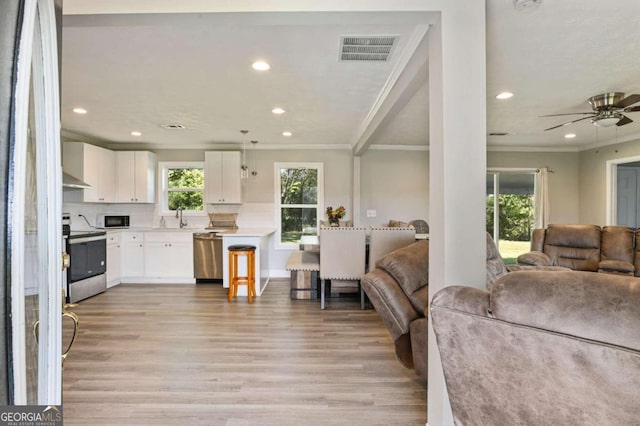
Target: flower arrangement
pixel 334 216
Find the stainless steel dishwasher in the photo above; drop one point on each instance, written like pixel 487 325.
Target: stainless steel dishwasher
pixel 207 256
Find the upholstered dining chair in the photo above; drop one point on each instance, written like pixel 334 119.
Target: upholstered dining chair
pixel 421 226
pixel 342 257
pixel 383 240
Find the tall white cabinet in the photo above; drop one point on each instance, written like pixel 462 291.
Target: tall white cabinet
pixel 222 177
pixel 95 166
pixel 135 176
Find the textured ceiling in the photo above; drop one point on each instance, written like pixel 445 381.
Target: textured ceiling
pixel 136 72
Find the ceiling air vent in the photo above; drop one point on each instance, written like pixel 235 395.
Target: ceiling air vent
pixel 366 48
pixel 173 126
pixel 498 134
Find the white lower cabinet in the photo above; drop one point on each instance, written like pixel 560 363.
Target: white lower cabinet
pixel 168 255
pixel 114 256
pixel 156 257
pixel 132 246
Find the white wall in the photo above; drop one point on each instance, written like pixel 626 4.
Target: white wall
pixel 258 209
pixel 395 184
pixel 564 182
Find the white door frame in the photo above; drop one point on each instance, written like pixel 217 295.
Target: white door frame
pixel 41 46
pixel 611 187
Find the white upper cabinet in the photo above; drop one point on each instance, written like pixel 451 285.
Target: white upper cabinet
pixel 222 177
pixel 135 174
pixel 93 165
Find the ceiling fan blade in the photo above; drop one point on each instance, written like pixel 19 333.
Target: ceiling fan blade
pixel 629 100
pixel 625 120
pixel 570 113
pixel 569 122
pixel 632 109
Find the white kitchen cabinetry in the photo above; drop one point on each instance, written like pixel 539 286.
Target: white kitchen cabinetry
pixel 135 176
pixel 132 246
pixel 114 256
pixel 93 165
pixel 222 177
pixel 168 255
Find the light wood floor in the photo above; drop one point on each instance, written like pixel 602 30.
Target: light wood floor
pixel 183 355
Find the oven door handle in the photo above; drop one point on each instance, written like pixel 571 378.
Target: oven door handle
pixel 86 239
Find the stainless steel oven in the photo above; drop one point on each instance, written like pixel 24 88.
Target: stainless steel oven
pixel 86 275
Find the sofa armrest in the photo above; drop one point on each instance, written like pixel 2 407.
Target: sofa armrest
pixel 616 267
pixel 534 258
pixel 393 305
pixel 465 299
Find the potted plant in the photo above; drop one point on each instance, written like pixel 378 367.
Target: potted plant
pixel 334 216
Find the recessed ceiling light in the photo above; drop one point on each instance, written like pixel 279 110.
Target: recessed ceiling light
pixel 136 133
pixel 504 95
pixel 260 66
pixel 570 136
pixel 277 110
pixel 287 133
pixel 80 110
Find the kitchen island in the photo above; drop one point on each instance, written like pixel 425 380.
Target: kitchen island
pixel 258 237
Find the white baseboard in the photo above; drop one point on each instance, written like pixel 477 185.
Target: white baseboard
pixel 279 273
pixel 157 280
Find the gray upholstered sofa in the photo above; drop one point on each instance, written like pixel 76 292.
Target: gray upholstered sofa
pixel 552 348
pixel 611 249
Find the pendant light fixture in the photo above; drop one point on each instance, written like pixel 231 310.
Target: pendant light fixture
pixel 254 172
pixel 244 169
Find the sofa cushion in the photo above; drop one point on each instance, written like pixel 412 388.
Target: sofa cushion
pixel 573 246
pixel 617 244
pixel 534 258
pixel 409 266
pixel 599 307
pixel 616 267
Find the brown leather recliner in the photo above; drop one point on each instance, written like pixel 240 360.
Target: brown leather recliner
pixel 399 290
pixel 583 248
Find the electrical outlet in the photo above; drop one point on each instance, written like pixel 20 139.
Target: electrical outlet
pixel 371 213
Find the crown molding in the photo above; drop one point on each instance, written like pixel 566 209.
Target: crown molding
pixel 399 147
pixel 502 148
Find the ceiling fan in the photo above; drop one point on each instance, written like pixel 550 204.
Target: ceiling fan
pixel 607 110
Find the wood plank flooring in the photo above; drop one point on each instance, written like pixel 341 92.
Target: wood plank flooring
pixel 183 355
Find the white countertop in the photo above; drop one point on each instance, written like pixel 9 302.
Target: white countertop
pixel 240 232
pixel 249 232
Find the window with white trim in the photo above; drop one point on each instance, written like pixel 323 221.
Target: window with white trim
pixel 182 185
pixel 299 200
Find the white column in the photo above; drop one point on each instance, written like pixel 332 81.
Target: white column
pixel 457 164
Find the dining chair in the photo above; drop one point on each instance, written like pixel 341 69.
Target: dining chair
pixel 342 257
pixel 383 240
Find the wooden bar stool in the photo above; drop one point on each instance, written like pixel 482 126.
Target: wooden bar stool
pixel 250 279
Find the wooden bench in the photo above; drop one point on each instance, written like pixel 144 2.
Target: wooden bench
pixel 304 267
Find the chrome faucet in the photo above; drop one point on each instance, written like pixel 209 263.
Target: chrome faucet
pixel 179 215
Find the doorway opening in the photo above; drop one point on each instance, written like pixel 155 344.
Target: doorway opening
pixel 623 192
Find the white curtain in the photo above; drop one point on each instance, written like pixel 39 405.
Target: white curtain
pixel 541 198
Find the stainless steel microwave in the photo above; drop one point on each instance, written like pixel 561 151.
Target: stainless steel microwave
pixel 113 221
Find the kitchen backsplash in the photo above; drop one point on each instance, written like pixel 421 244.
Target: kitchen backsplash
pixel 250 215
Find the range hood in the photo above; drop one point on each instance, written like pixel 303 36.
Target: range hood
pixel 69 181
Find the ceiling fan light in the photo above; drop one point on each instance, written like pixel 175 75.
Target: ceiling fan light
pixel 605 121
